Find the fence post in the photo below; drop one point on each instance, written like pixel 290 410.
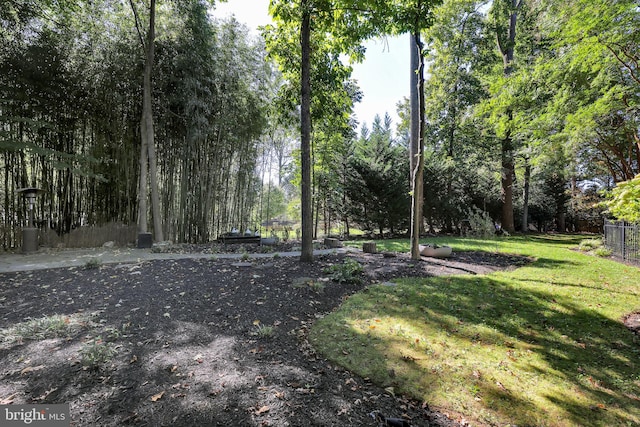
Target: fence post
pixel 622 240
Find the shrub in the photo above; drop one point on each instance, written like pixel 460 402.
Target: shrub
pixel 602 252
pixel 92 264
pixel 480 224
pixel 590 244
pixel 623 202
pixel 96 352
pixel 350 271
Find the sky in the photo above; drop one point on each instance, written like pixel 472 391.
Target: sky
pixel 383 77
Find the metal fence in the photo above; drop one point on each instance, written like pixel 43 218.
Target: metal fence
pixel 622 239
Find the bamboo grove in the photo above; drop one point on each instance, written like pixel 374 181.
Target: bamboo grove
pixel 70 105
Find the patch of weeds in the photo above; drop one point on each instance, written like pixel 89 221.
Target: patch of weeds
pixel 264 331
pixel 245 256
pixel 92 264
pixel 350 271
pixel 317 286
pixel 56 326
pixel 113 334
pixel 590 244
pixel 96 353
pixel 213 258
pixel 602 252
pixel 276 255
pixel 301 282
pixel 595 247
pixel 266 249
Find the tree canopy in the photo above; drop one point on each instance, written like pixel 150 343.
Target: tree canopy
pixel 530 107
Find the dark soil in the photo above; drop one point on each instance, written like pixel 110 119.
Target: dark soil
pixel 632 322
pixel 189 345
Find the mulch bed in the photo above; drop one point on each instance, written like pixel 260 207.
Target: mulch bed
pixel 190 347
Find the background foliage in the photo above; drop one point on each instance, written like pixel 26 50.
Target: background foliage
pixel 226 114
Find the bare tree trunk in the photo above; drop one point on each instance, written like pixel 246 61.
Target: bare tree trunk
pixel 147 117
pixel 147 145
pixel 142 186
pixel 508 165
pixel 507 174
pixel 417 142
pixel 305 135
pixel 525 204
pixel 155 195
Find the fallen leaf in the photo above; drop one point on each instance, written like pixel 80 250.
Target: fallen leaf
pixel 8 400
pixel 263 410
pixel 157 397
pixel 45 394
pixel 501 386
pixel 31 369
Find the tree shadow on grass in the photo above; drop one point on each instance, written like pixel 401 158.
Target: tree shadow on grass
pixel 509 354
pixel 557 239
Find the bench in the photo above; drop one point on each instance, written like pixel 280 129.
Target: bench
pixel 238 238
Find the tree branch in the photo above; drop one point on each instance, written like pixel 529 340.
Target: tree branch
pixel 138 24
pixel 622 61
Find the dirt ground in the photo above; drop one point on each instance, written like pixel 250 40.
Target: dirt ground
pixel 201 342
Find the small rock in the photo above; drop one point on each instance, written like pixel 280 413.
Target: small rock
pixel 242 264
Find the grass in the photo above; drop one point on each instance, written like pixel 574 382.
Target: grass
pixel 97 352
pixel 56 326
pixel 264 331
pixel 542 345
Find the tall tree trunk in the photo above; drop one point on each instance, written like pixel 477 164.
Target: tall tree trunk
pixel 525 196
pixel 148 168
pixel 508 165
pixel 147 117
pixel 417 142
pixel 142 186
pixel 305 135
pixel 153 182
pixel 507 174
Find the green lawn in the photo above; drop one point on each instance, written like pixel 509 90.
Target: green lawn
pixel 542 345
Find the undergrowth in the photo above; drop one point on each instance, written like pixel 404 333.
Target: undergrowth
pixel 349 271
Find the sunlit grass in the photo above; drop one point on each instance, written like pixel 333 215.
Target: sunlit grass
pixel 55 326
pixel 541 345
